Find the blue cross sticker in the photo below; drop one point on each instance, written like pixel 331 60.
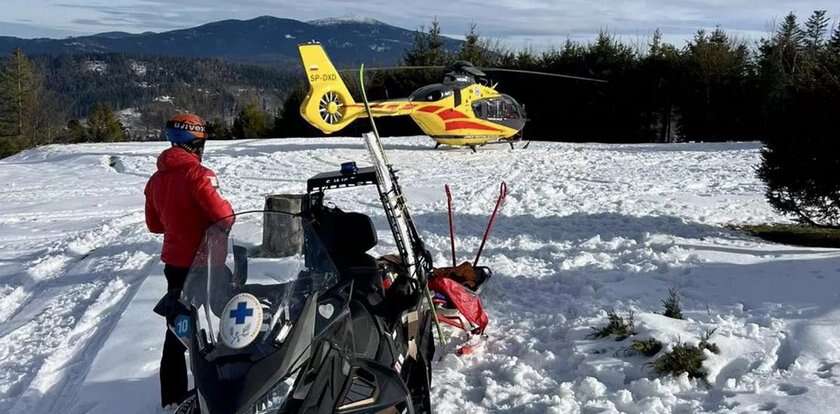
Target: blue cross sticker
pixel 241 312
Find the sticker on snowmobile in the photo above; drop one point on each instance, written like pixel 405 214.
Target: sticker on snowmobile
pixel 326 310
pixel 182 326
pixel 241 321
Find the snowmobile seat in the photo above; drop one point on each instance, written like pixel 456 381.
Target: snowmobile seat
pixel 348 236
pixel 345 233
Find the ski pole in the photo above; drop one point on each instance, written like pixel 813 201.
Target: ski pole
pixel 451 224
pixel 499 201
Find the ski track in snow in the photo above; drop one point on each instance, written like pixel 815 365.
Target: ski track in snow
pixel 586 228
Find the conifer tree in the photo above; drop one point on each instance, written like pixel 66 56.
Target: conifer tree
pixel 103 125
pixel 20 88
pixel 252 122
pixel 428 48
pixel 474 49
pixel 655 45
pixel 815 29
pixel 789 43
pixel 800 162
pixel 76 132
pixel 834 42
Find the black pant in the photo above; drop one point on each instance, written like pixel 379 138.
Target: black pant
pixel 173 367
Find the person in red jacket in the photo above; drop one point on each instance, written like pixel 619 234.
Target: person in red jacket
pixel 182 201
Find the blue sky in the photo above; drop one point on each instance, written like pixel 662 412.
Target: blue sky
pixel 535 23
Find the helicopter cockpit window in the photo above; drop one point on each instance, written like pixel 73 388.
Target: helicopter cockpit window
pixel 431 93
pixel 497 109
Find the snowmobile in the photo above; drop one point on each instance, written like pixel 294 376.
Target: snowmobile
pixel 307 326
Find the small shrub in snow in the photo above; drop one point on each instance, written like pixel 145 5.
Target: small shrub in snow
pixel 683 358
pixel 621 328
pixel 672 304
pixel 686 358
pixel 647 347
pixel 705 344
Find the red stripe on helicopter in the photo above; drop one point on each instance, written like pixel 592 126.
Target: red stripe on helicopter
pixel 469 125
pixel 430 109
pixel 409 106
pixel 451 114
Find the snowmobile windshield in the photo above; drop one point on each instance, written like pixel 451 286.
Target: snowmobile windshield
pixel 251 279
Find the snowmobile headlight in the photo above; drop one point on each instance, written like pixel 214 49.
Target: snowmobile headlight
pixel 348 168
pixel 273 400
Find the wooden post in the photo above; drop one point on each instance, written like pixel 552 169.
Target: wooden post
pixel 282 234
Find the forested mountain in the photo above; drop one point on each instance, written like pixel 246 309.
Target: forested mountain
pixel 216 69
pixel 263 40
pixel 209 86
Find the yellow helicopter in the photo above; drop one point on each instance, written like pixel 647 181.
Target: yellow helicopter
pixel 463 110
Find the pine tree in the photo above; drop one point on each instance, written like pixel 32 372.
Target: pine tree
pixel 103 125
pixel 834 42
pixel 217 129
pixel 655 45
pixel 713 87
pixel 526 59
pixel 76 132
pixel 800 163
pixel 815 29
pixel 473 49
pixel 608 54
pixel 428 48
pixel 20 88
pixel 832 53
pixel 437 52
pixel 800 172
pixel 660 67
pixel 789 43
pixel 252 122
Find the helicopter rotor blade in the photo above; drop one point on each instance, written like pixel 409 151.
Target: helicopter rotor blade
pixel 556 75
pixel 389 68
pixel 438 67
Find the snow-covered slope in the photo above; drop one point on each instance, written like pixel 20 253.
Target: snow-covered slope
pixel 587 228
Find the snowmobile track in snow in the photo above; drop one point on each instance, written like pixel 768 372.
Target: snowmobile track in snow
pixel 53 333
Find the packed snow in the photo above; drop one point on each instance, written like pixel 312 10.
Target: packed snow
pixel 587 228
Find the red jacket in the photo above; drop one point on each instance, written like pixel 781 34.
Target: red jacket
pixel 182 201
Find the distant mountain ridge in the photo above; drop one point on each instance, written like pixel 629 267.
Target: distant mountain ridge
pixel 263 40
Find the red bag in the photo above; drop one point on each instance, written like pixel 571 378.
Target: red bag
pixel 465 301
